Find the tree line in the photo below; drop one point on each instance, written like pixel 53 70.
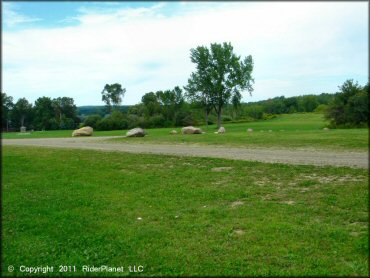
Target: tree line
pixel 212 95
pixel 44 114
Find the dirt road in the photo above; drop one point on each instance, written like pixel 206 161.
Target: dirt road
pixel 305 157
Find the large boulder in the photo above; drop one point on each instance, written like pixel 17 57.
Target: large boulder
pixel 84 131
pixel 136 132
pixel 191 130
pixel 221 130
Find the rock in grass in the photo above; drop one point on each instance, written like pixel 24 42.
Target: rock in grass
pixel 326 129
pixel 84 131
pixel 173 132
pixel 136 132
pixel 250 130
pixel 191 130
pixel 221 130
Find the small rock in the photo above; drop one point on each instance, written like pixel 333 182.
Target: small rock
pixel 326 129
pixel 173 132
pixel 139 218
pixel 250 129
pixel 221 130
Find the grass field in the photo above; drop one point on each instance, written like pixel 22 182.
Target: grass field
pixel 182 216
pixel 287 131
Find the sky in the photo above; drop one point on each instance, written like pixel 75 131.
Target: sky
pixel 73 49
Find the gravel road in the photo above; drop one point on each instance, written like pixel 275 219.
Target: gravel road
pixel 358 159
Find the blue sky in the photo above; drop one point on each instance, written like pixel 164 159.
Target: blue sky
pixel 74 48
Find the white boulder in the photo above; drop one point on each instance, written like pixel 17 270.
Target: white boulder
pixel 221 130
pixel 84 131
pixel 136 132
pixel 191 130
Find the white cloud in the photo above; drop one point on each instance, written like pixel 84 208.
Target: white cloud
pixel 147 49
pixel 11 17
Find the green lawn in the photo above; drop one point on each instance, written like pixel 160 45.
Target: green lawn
pixel 304 130
pixel 79 207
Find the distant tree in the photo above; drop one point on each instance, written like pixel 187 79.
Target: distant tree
pixel 65 112
pixel 151 104
pixel 220 75
pixel 349 107
pixel 22 112
pixel 6 107
pixel 112 95
pixel 92 120
pixel 44 114
pixel 309 103
pixel 171 102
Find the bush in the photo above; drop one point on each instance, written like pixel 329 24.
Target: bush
pixel 92 121
pixel 184 118
pixel 268 116
pixel 321 108
pixel 226 118
pixel 115 121
pixel 135 121
pixel 349 107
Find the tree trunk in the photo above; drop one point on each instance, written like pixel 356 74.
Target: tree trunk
pixel 207 118
pixel 219 118
pixel 22 121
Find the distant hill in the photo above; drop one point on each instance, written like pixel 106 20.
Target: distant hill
pixel 97 109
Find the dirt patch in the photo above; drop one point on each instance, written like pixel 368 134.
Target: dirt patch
pixel 237 203
pixel 238 232
pixel 358 159
pixel 221 169
pixel 290 202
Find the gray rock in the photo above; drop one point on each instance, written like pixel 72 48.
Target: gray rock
pixel 136 132
pixel 191 130
pixel 84 131
pixel 250 130
pixel 221 130
pixel 173 132
pixel 325 128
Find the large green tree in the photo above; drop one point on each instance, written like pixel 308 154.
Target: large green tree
pixel 171 102
pixel 220 76
pixel 6 107
pixel 349 107
pixel 44 116
pixel 65 112
pixel 22 113
pixel 112 95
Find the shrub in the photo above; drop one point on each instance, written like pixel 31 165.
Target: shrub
pixel 226 118
pixel 349 107
pixel 92 121
pixel 115 121
pixel 321 108
pixel 184 118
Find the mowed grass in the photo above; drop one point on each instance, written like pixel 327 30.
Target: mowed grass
pixel 78 207
pixel 303 130
pixel 300 131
